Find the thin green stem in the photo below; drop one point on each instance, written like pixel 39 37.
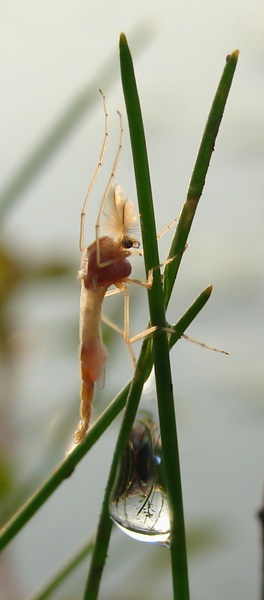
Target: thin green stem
pixel 189 316
pixel 199 174
pixel 64 571
pixel 157 316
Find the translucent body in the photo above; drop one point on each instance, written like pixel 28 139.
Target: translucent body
pixel 104 263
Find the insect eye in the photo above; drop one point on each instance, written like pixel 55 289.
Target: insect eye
pixel 128 242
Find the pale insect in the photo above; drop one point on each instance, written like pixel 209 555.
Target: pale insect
pixel 105 263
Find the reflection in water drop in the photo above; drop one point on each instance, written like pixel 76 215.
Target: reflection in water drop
pixel 138 501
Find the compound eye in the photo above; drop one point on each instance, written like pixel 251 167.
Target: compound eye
pixel 127 242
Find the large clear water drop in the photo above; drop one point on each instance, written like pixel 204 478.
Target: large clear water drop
pixel 138 501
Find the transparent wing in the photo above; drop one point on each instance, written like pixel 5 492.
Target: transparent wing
pixel 119 218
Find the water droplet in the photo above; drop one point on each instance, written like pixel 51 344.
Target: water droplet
pixel 138 501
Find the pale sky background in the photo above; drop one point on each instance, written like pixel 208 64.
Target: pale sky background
pixel 49 52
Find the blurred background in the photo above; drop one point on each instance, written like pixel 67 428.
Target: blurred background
pixel 54 57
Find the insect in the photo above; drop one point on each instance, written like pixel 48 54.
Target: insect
pixel 105 263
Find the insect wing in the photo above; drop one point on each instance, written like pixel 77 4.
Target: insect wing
pixel 101 357
pixel 119 218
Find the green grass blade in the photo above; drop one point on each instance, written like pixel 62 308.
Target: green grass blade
pixel 199 174
pixel 64 572
pixel 157 316
pixel 189 316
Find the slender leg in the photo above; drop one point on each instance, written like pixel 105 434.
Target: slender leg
pixel 126 331
pixel 194 341
pixel 95 175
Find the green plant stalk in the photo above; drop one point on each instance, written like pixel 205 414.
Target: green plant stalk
pixel 198 177
pixel 67 466
pixel 189 316
pixel 160 339
pixel 64 572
